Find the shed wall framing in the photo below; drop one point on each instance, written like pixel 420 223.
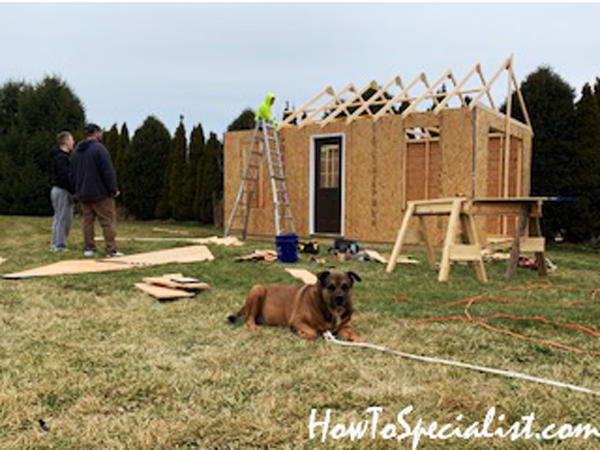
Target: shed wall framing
pixel 385 168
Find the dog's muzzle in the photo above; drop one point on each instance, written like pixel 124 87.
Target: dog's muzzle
pixel 338 301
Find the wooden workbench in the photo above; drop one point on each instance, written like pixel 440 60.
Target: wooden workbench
pixel 461 212
pixel 528 233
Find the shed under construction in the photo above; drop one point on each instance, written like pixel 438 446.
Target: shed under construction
pixel 354 158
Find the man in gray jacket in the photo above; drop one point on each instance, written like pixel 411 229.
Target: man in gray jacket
pixel 95 185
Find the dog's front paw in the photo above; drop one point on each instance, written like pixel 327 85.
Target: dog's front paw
pixel 348 335
pixel 309 335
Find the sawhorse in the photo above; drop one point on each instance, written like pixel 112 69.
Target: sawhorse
pixel 461 224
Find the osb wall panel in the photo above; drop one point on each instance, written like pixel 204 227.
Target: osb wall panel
pixel 388 204
pixel 361 179
pixel 233 162
pixel 456 142
pixel 373 179
pixel 482 153
pixel 296 150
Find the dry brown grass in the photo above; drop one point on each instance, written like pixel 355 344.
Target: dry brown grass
pixel 107 367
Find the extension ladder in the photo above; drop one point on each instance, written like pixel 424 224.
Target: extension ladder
pixel 284 221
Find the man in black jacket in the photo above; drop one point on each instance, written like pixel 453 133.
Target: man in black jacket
pixel 61 194
pixel 95 185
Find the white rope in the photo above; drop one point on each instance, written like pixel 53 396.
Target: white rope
pixel 331 338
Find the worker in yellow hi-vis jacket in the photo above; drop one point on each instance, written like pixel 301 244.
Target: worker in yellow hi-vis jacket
pixel 264 110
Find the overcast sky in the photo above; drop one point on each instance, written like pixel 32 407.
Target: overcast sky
pixel 210 61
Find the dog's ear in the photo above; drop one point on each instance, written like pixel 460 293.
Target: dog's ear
pixel 322 276
pixel 353 276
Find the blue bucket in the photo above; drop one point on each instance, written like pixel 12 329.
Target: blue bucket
pixel 287 248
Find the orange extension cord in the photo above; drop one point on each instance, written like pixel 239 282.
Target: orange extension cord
pixel 482 321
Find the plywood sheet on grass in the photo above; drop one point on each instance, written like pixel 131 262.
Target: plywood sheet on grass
pixel 196 253
pixel 66 268
pixel 230 241
pixel 303 274
pixel 177 281
pixel 163 293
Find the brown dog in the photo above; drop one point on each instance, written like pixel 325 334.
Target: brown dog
pixel 309 310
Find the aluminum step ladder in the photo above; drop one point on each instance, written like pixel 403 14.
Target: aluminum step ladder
pixel 282 211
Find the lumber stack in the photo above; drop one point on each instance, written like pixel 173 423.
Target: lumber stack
pixel 171 286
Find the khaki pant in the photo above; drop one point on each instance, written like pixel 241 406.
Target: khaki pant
pixel 104 210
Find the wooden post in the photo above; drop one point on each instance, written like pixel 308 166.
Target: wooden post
pixel 515 252
pixel 453 224
pixel 404 172
pixel 540 257
pixel 427 146
pixel 507 142
pixel 428 244
pixel 400 239
pixel 472 238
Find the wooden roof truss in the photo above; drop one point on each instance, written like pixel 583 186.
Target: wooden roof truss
pixel 395 97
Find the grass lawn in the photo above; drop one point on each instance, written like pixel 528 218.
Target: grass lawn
pixel 105 366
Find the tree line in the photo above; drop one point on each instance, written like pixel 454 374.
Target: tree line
pixel 163 176
pixel 160 176
pixel 565 153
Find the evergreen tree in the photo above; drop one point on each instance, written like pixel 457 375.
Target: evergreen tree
pixel 177 173
pixel 144 168
pixel 586 182
pixel 209 187
pixel 122 148
pixel 163 207
pixel 245 121
pixel 550 103
pixel 195 152
pixel 110 139
pixel 30 118
pixel 10 95
pixel 597 91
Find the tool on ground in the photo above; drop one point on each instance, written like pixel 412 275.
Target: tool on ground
pixel 311 247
